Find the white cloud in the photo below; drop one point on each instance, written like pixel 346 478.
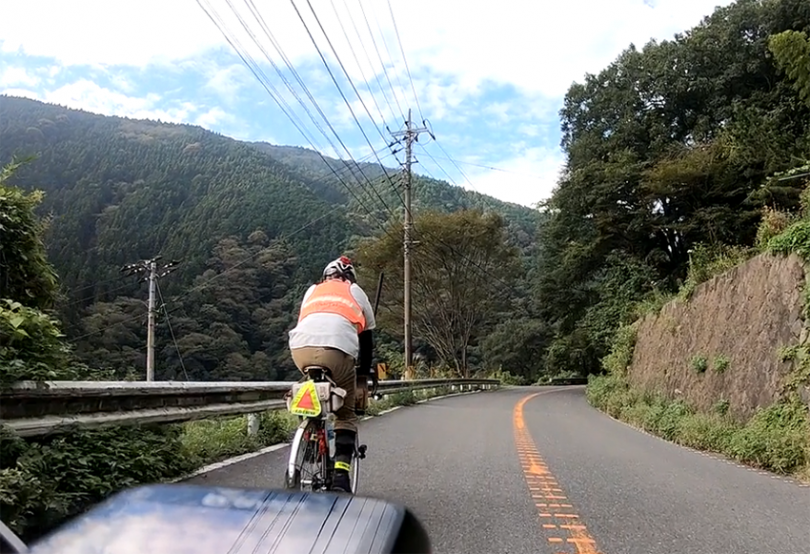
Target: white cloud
pixel 456 50
pixel 89 96
pixel 227 81
pixel 24 93
pixel 16 76
pixel 538 47
pixel 213 117
pixel 526 178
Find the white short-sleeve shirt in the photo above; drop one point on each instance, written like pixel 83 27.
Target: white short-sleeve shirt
pixel 332 330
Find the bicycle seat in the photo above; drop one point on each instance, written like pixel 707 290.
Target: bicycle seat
pixel 315 371
pixel 171 518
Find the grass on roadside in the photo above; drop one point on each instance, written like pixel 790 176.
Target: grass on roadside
pixel 776 438
pixel 208 441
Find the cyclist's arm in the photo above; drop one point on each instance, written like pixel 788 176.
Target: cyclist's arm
pixel 366 352
pixel 366 338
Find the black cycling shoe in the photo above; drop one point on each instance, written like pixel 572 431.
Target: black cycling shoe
pixel 340 483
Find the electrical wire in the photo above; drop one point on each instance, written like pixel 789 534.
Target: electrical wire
pixel 171 331
pixel 405 59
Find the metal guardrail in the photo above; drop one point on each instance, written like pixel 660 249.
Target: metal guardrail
pixel 33 409
pixel 569 381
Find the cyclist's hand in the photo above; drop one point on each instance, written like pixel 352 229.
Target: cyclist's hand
pixel 374 378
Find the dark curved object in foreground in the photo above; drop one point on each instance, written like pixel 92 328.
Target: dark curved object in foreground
pixel 175 519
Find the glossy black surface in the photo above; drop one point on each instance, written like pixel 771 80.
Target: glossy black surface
pixel 179 518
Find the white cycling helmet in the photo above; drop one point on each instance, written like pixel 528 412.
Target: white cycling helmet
pixel 342 268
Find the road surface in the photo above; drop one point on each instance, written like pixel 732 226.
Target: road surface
pixel 537 470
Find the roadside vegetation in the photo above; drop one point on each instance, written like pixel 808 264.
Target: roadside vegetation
pixel 777 437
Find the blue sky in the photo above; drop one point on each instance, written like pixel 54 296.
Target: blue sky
pixel 490 77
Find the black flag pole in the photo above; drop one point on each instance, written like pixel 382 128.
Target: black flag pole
pixel 379 293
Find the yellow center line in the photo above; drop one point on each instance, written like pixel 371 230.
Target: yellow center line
pixel 544 487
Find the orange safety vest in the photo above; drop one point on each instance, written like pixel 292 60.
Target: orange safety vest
pixel 334 296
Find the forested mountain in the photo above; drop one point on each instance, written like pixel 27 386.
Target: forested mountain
pixel 673 151
pixel 251 223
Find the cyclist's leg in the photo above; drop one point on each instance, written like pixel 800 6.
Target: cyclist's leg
pixel 343 373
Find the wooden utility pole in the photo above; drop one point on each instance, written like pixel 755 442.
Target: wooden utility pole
pixel 149 270
pixel 150 334
pixel 410 134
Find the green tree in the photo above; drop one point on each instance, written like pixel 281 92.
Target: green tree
pixel 31 342
pixel 461 274
pixel 25 274
pixel 230 325
pixel 792 52
pixel 670 146
pixel 518 346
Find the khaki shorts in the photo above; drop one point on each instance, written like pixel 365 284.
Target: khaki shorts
pixel 343 373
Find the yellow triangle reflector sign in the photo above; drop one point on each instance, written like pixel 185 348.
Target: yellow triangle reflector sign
pixel 305 402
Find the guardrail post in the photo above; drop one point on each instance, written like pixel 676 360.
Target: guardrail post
pixel 253 424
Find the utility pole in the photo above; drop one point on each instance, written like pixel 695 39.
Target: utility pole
pixel 150 326
pixel 149 270
pixel 410 134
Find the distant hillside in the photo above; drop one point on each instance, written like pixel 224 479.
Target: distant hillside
pixel 428 193
pixel 251 223
pixel 122 189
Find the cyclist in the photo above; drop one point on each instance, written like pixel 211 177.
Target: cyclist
pixel 334 330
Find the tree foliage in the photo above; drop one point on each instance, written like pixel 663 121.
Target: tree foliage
pixel 670 147
pixel 25 274
pixel 461 274
pixel 792 52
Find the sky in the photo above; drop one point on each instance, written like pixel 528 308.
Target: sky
pixel 487 79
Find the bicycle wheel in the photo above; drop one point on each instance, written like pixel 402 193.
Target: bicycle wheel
pixel 304 469
pixel 355 475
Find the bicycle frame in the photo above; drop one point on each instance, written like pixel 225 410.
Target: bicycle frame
pixel 318 419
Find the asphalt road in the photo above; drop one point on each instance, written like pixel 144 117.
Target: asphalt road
pixel 499 473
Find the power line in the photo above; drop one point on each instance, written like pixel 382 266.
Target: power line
pixel 171 331
pixel 484 198
pixel 357 59
pixel 281 103
pixel 334 80
pixel 387 51
pixel 379 56
pixel 149 271
pixel 349 79
pixel 448 158
pixel 260 19
pixel 410 135
pixel 371 64
pixel 405 59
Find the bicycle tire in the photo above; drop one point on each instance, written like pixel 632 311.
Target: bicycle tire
pixel 355 475
pixel 299 450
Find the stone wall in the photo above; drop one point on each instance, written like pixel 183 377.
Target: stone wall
pixel 745 315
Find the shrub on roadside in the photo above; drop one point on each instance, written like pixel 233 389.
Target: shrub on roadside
pixel 773 223
pixel 506 378
pixel 776 438
pixel 708 260
pixel 208 441
pixel 43 481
